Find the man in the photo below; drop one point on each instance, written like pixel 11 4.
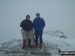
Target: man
pixel 27 31
pixel 38 25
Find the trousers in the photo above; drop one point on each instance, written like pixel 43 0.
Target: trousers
pixel 28 35
pixel 38 35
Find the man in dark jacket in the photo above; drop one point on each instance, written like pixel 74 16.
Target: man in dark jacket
pixel 27 31
pixel 38 24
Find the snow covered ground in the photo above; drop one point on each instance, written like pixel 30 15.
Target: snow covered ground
pixel 53 43
pixel 64 43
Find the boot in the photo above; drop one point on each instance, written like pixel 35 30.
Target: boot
pixel 24 42
pixel 41 46
pixel 29 43
pixel 35 46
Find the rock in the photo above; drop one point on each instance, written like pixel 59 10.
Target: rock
pixel 13 48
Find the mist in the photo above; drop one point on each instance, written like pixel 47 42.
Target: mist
pixel 58 15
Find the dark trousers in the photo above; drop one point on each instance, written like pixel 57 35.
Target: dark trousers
pixel 38 35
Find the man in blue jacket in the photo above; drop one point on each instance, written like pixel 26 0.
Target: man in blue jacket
pixel 38 25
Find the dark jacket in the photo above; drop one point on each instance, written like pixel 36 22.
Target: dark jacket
pixel 38 24
pixel 26 25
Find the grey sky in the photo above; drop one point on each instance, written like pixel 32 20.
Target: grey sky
pixel 58 15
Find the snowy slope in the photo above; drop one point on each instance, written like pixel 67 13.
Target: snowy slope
pixel 64 43
pixel 53 43
pixel 14 48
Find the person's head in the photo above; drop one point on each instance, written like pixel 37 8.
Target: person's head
pixel 37 15
pixel 28 17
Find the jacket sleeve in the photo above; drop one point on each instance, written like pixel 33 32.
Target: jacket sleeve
pixel 43 23
pixel 34 23
pixel 21 24
pixel 31 24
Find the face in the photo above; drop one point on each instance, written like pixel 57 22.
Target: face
pixel 28 18
pixel 37 16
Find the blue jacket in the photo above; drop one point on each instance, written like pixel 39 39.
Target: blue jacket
pixel 38 24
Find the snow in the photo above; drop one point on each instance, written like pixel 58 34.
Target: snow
pixel 65 44
pixel 52 44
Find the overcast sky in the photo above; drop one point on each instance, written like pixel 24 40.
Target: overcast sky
pixel 58 15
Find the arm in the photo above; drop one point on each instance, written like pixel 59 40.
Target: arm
pixel 34 23
pixel 43 23
pixel 21 24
